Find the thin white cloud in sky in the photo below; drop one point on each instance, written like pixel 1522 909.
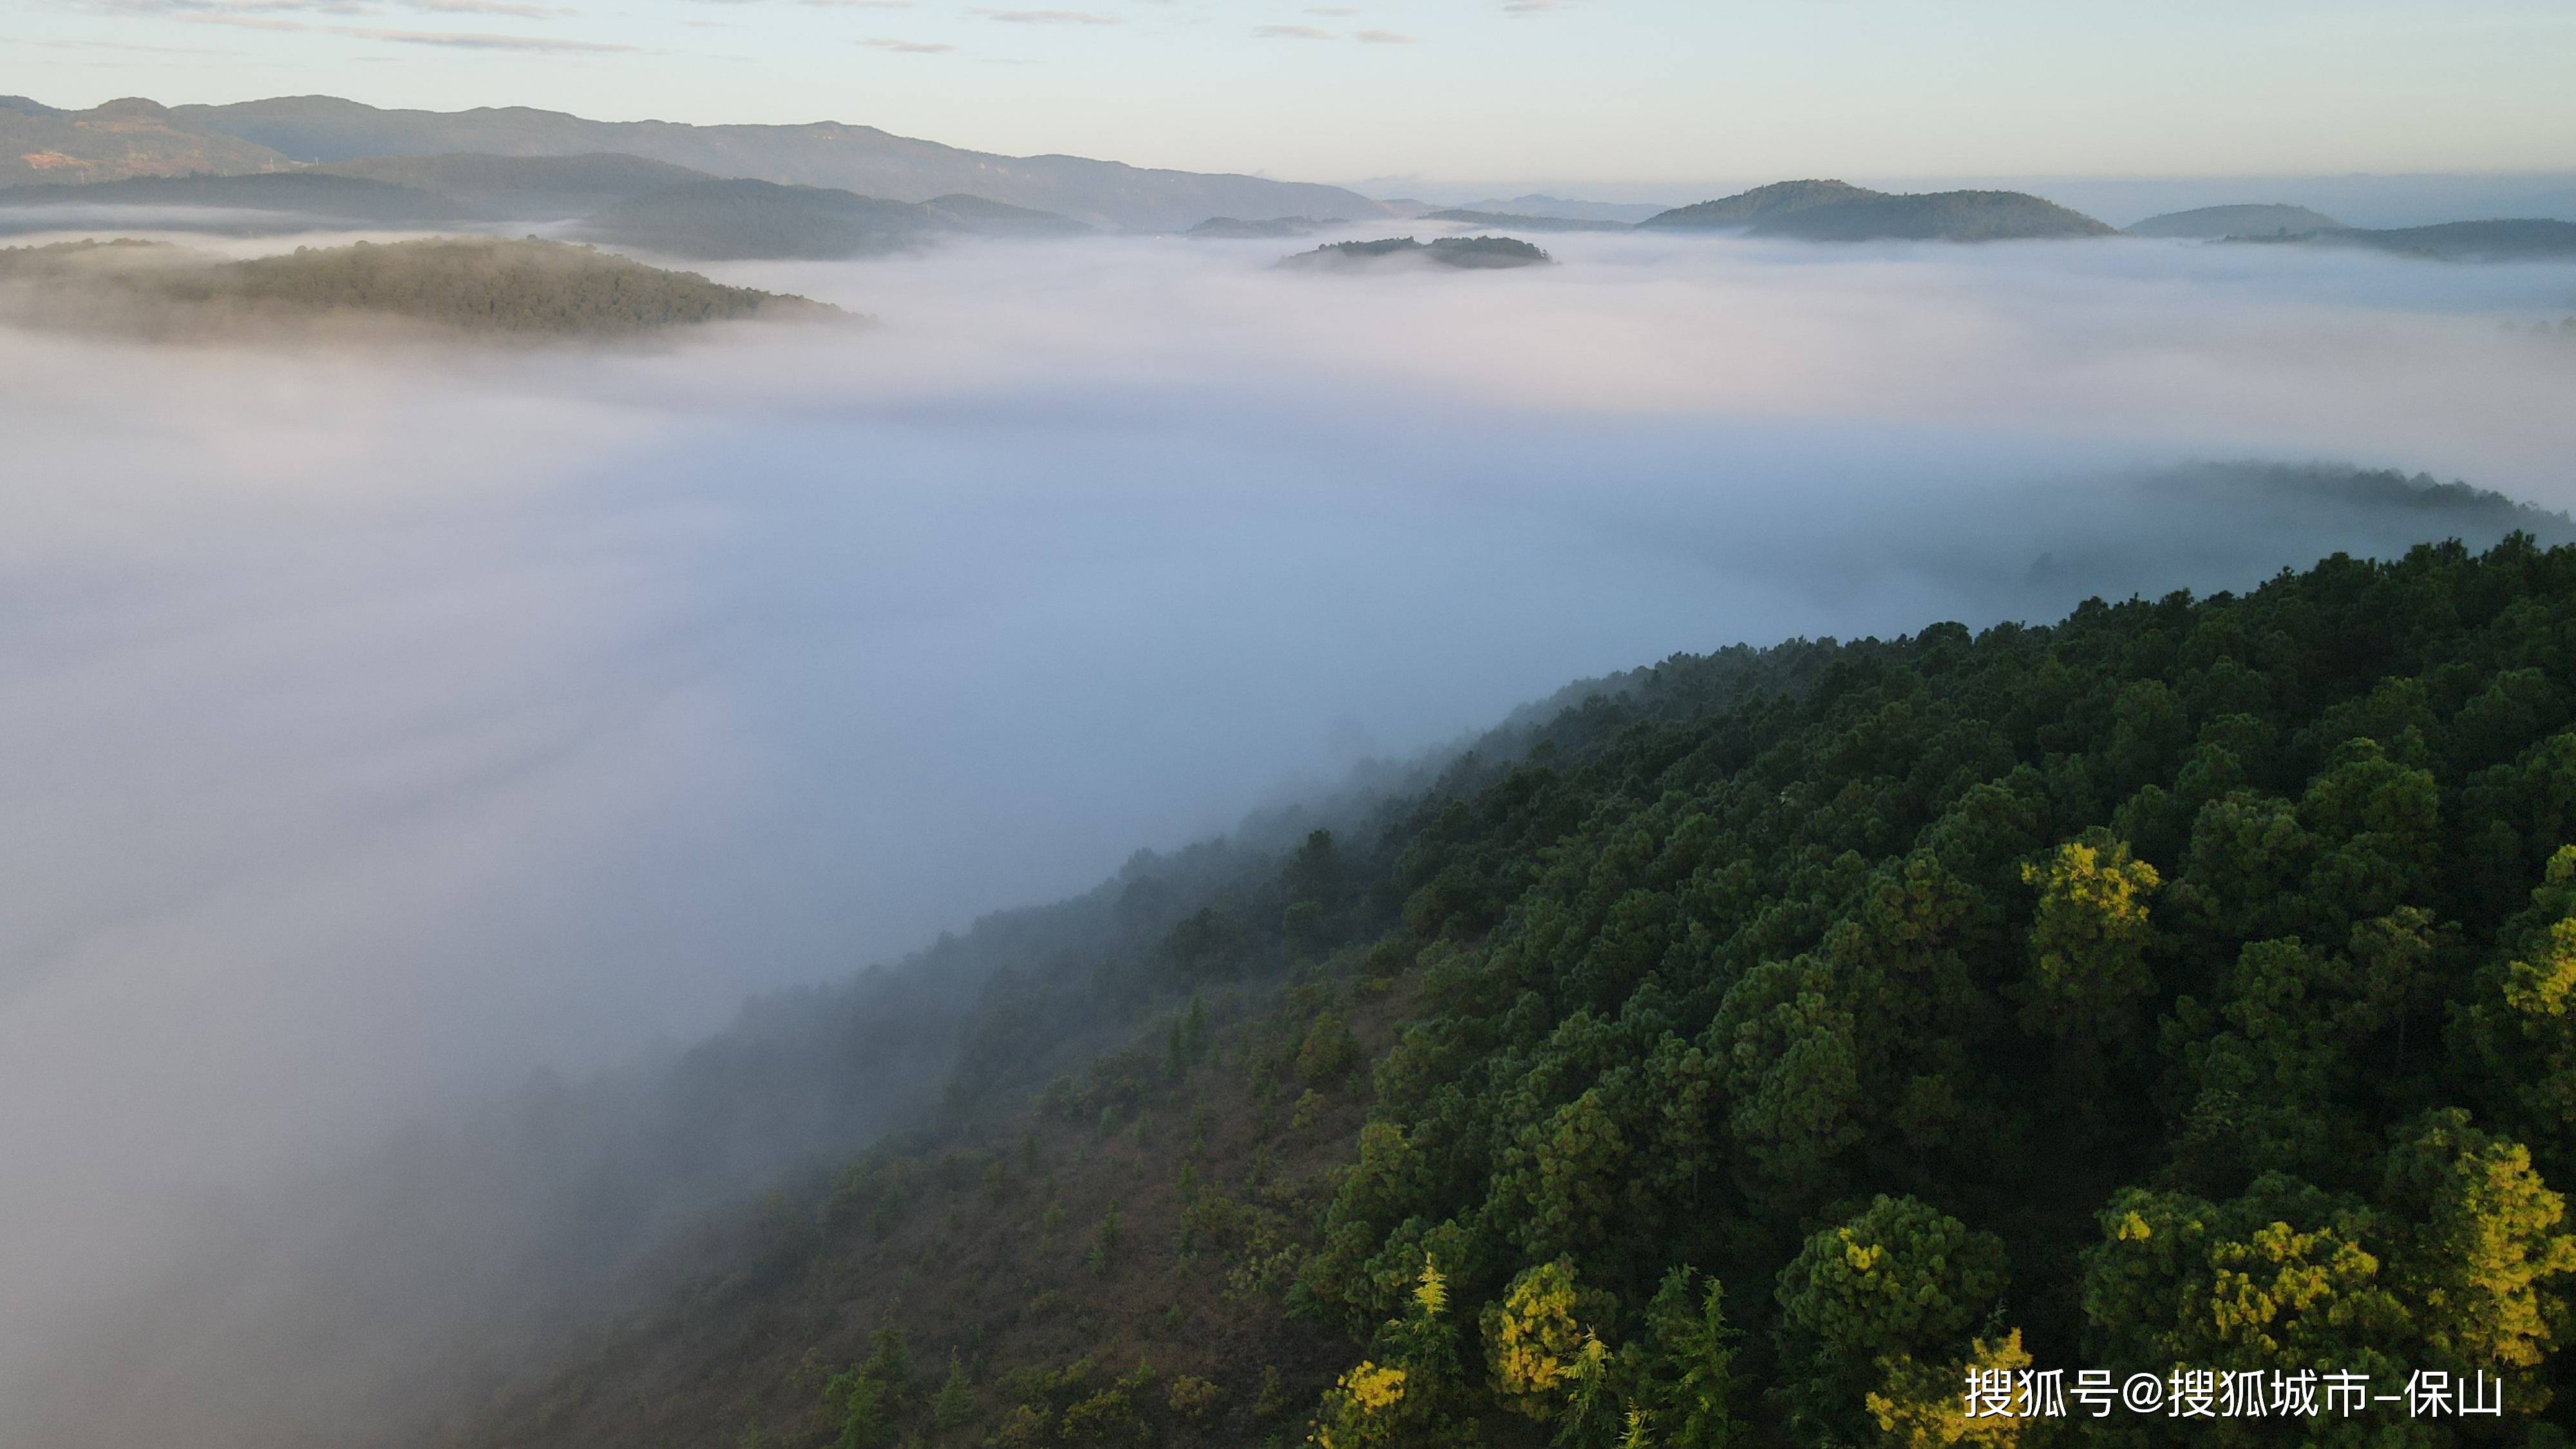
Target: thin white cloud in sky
pixel 542 44
pixel 491 7
pixel 1047 17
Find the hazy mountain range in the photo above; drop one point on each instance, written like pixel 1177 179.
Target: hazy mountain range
pixel 1562 208
pixel 532 188
pixel 621 200
pixel 129 138
pixel 1524 222
pixel 740 219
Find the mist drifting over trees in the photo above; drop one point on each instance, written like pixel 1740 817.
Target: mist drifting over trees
pixel 387 728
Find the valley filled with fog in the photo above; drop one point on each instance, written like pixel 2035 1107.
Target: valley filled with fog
pixel 380 725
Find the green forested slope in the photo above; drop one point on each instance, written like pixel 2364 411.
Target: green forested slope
pixel 459 285
pixel 2186 984
pixel 1472 253
pixel 1839 211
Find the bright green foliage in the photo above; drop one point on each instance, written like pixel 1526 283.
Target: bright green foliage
pixel 1075 1408
pixel 1921 1406
pixel 1594 1416
pixel 867 1422
pixel 2282 1070
pixel 954 1404
pixel 1534 1339
pixel 1901 1279
pixel 2153 929
pixel 2484 1264
pixel 2088 939
pixel 1193 1398
pixel 1365 1407
pixel 2277 1278
pixel 869 1397
pixel 1406 1391
pixel 1681 1371
pixel 2210 962
pixel 2519 1028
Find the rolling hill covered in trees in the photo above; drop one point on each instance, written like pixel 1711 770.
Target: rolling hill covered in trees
pixel 1742 1051
pixel 2212 222
pixel 1470 253
pixel 1838 211
pixel 472 286
pixel 1747 207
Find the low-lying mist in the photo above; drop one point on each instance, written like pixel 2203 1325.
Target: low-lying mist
pixel 378 727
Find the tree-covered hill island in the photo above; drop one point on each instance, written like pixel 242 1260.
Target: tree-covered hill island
pixel 452 286
pixel 1469 253
pixel 1748 1052
pixel 1836 211
pixel 2213 222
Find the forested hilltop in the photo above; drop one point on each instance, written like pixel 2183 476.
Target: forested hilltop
pixel 459 285
pixel 1745 1055
pixel 1837 211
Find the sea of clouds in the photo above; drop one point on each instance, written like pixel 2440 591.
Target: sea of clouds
pixel 377 725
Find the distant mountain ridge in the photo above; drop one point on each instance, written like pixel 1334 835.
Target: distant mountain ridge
pixel 1511 221
pixel 1563 208
pixel 862 159
pixel 1235 228
pixel 525 188
pixel 743 220
pixel 1824 210
pixel 121 139
pixel 130 138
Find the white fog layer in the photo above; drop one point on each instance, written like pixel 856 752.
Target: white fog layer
pixel 377 726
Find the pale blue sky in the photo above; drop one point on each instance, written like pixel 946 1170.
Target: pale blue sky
pixel 1609 91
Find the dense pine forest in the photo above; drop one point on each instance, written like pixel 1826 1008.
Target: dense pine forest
pixel 1755 1054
